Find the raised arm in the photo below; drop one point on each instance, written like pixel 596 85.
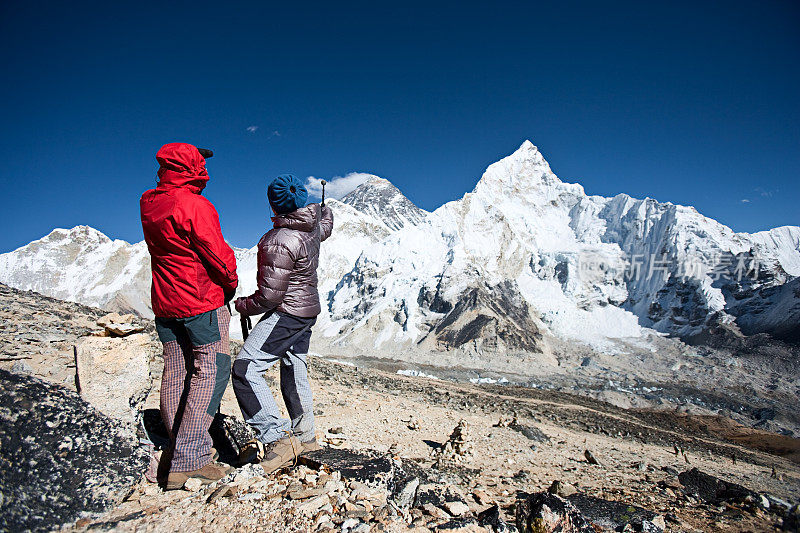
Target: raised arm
pixel 326 223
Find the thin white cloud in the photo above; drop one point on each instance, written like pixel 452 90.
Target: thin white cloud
pixel 337 186
pixel 766 193
pixel 252 129
pixel 275 133
pixel 745 201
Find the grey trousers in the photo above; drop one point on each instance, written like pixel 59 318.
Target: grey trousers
pixel 277 337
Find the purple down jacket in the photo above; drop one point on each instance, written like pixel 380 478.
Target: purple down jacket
pixel 288 256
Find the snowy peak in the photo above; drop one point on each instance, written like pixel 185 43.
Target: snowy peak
pixel 78 234
pixel 379 198
pixel 82 265
pixel 525 167
pixel 525 178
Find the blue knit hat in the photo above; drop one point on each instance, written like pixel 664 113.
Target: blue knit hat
pixel 286 194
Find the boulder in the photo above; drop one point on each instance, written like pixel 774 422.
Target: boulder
pixel 712 489
pixel 372 468
pixel 547 513
pixel 114 373
pixel 613 515
pixel 490 518
pixel 531 432
pixel 59 456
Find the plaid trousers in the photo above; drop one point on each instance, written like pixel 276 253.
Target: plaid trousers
pixel 197 367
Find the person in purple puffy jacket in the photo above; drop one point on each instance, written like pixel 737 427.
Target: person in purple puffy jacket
pixel 287 295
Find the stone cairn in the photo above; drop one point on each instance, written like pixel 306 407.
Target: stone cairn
pixel 457 448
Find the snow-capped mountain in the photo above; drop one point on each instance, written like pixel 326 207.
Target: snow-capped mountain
pixel 384 202
pixel 547 259
pixel 83 265
pixel 521 262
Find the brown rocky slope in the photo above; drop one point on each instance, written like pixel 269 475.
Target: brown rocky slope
pixel 409 453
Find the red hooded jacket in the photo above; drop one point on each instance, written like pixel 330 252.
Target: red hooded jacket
pixel 194 269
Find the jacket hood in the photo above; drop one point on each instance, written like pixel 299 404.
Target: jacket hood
pixel 181 166
pixel 303 219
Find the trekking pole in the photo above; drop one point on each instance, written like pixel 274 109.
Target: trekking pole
pixel 323 192
pixel 244 320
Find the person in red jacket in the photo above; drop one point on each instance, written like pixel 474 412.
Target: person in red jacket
pixel 194 277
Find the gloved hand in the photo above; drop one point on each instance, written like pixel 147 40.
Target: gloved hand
pixel 239 304
pixel 229 294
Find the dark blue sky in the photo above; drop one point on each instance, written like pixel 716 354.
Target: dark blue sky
pixel 689 102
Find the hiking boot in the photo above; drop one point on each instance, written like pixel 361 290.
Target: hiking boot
pixel 166 461
pixel 208 474
pixel 310 446
pixel 281 453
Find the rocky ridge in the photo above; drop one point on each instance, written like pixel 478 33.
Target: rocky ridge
pixel 401 453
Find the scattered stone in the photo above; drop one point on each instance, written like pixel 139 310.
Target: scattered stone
pixel 250 496
pixel 117 325
pixel 462 523
pixel 547 513
pixel 193 484
pixel 531 432
pixel 481 497
pixel 313 505
pixel 506 421
pixel 368 467
pixel 659 522
pixel 561 488
pixel 349 524
pixel 435 511
pixel 670 470
pixel 456 508
pixel 791 520
pixel 219 492
pixel 763 502
pixel 21 367
pixel 590 458
pixel 307 493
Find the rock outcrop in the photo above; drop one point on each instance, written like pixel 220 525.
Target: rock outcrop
pixel 59 456
pixel 114 373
